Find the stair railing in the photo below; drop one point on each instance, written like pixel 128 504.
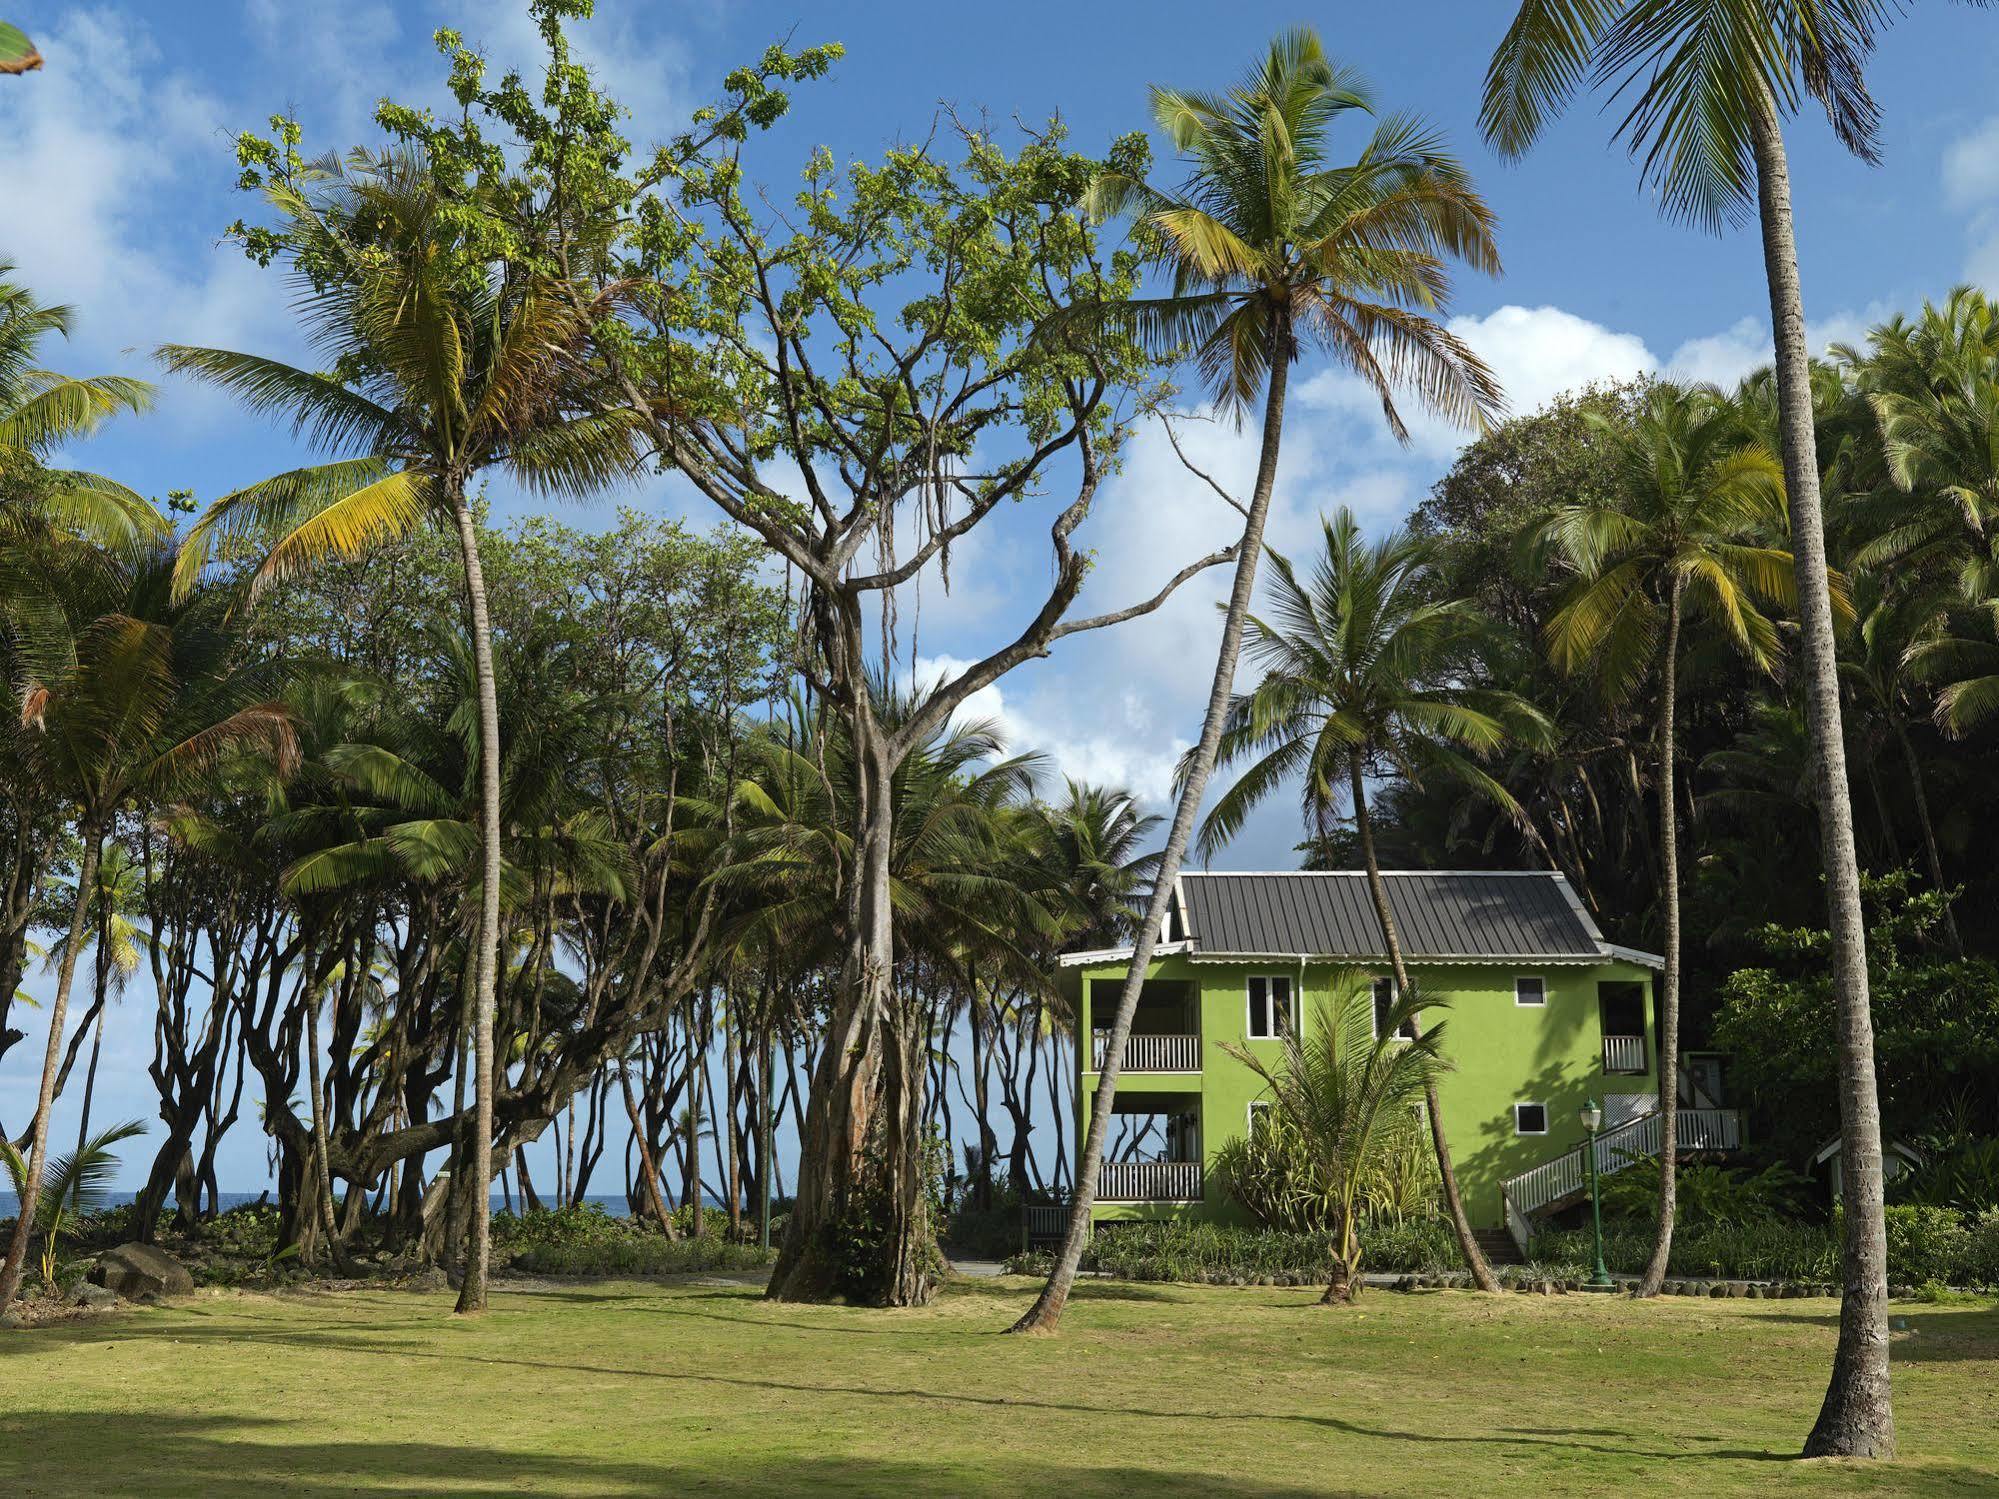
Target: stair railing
pixel 1567 1175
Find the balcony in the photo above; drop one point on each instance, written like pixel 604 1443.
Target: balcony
pixel 1624 1054
pixel 1149 1181
pixel 1150 1052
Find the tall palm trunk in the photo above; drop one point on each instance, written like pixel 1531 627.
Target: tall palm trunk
pixel 38 1128
pixel 1046 1313
pixel 690 1185
pixel 101 976
pixel 1916 788
pixel 1474 1258
pixel 322 1167
pixel 1654 1277
pixel 1858 1417
pixel 647 1165
pixel 472 1293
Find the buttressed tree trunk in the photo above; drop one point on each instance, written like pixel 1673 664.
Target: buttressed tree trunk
pixel 478 1158
pixel 1858 1417
pixel 1440 1144
pixel 860 1156
pixel 1046 1313
pixel 38 1129
pixel 1669 979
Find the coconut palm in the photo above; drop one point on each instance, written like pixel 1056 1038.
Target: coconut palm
pixel 1709 86
pixel 445 364
pixel 1093 846
pixel 1686 537
pixel 1346 1091
pixel 70 1186
pixel 127 692
pixel 1363 665
pixel 41 410
pixel 1272 246
pixel 116 943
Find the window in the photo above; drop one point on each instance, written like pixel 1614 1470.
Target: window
pixel 1269 1006
pixel 1530 1119
pixel 1260 1116
pixel 1384 1002
pixel 1530 992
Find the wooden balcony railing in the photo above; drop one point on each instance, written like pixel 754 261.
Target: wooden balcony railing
pixel 1150 1181
pixel 1150 1053
pixel 1623 1053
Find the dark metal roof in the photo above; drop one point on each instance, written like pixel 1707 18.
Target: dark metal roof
pixel 1437 915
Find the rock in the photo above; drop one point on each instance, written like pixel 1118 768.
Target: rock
pixel 1902 1293
pixel 1754 1292
pixel 11 1320
pixel 427 1278
pixel 136 1270
pixel 94 1297
pixel 1737 1289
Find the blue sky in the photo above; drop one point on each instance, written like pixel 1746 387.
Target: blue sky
pixel 116 173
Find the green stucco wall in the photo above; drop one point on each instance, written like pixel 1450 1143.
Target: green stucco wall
pixel 1501 1053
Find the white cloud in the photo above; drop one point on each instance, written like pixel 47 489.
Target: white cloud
pixel 1537 352
pixel 1971 167
pixel 1120 745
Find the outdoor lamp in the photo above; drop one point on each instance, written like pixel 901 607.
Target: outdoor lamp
pixel 1591 1114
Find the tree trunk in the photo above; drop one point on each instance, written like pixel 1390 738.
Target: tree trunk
pixel 1447 1176
pixel 38 1128
pixel 1857 1418
pixel 647 1164
pixel 1916 788
pixel 1046 1313
pixel 322 1175
pixel 1669 979
pixel 90 1072
pixel 690 1186
pixel 860 1152
pixel 479 1155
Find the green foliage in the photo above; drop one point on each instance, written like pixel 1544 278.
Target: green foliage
pixel 1269 1173
pixel 72 1185
pixel 1208 1251
pixel 1936 1025
pixel 1924 1244
pixel 1706 1194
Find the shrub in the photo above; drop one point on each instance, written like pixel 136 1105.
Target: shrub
pixel 1927 1243
pixel 1705 1194
pixel 642 1254
pixel 1201 1251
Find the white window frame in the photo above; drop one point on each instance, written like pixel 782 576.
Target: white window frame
pixel 1374 1006
pixel 1286 1019
pixel 1530 1004
pixel 1249 1115
pixel 1530 1134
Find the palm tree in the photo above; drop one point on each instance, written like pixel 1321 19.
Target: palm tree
pixel 1685 536
pixel 1092 844
pixel 71 1185
pixel 128 693
pixel 1710 85
pixel 1362 674
pixel 42 411
pixel 446 364
pixel 1271 247
pixel 1346 1092
pixel 17 53
pixel 116 942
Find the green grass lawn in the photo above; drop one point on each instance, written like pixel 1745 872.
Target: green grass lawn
pixel 627 1389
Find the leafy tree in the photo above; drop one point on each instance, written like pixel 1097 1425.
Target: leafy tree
pixel 1274 247
pixel 17 53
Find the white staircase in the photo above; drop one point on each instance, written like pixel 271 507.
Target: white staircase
pixel 1558 1182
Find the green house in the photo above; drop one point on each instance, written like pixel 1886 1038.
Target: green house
pixel 1544 1015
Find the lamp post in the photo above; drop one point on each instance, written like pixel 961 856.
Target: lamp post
pixel 1591 1114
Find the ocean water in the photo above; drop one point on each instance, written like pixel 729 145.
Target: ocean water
pixel 612 1203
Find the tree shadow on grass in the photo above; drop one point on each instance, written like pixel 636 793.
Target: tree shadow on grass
pixel 343 1341
pixel 218 1458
